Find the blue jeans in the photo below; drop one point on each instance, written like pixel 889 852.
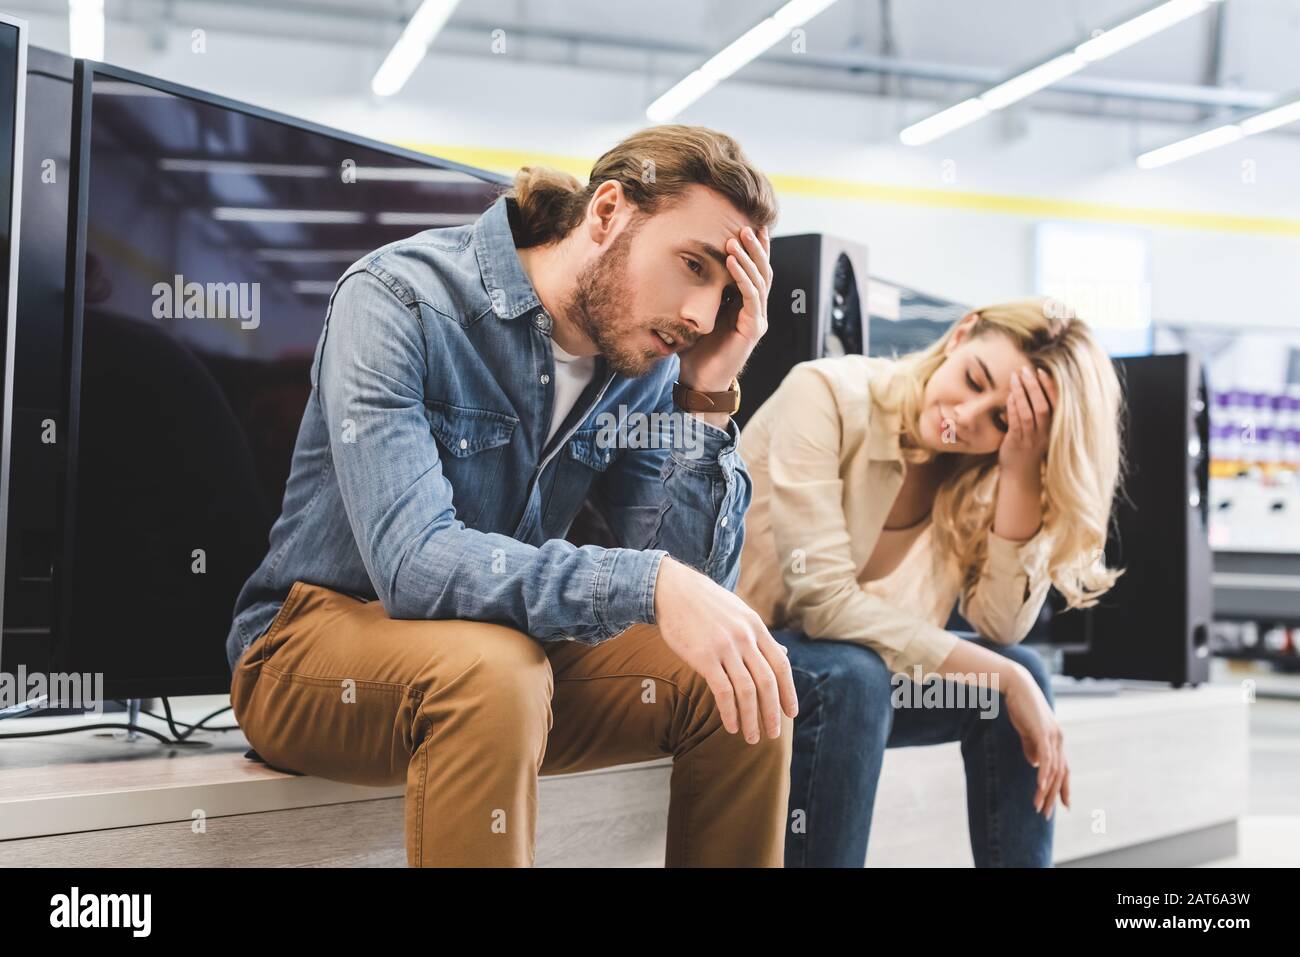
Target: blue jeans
pixel 847 718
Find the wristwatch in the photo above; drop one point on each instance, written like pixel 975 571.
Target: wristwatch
pixel 692 400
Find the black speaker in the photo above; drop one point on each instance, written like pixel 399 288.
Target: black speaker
pixel 817 307
pixel 1154 624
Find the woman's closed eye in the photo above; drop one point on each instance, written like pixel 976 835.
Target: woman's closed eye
pixel 999 416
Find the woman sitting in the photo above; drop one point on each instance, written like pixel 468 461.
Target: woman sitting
pixel 978 471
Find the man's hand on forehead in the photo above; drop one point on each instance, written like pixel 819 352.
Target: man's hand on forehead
pixel 713 362
pixel 750 265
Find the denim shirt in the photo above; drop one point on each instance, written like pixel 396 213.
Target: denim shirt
pixel 421 474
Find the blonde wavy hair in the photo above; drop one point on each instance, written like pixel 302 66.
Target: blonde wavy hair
pixel 1083 468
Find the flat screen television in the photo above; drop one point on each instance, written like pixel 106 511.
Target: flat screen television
pixel 208 237
pixel 13 90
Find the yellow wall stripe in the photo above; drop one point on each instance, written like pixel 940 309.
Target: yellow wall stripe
pixel 1039 207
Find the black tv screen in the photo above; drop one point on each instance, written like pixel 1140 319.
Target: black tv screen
pixel 213 236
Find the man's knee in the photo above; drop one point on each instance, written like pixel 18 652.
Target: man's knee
pixel 491 669
pixel 701 695
pixel 766 750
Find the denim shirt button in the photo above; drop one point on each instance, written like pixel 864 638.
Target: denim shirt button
pixel 464 443
pixel 543 320
pixel 724 521
pixel 545 378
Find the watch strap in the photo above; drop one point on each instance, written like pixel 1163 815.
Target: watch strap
pixel 693 400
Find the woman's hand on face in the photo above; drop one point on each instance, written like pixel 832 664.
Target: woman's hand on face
pixel 1042 741
pixel 1031 401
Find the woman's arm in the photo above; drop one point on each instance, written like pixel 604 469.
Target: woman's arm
pixel 1030 402
pixel 1018 511
pixel 1005 601
pixel 1029 711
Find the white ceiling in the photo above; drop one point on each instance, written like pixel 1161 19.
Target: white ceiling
pixel 1257 44
pixel 1260 38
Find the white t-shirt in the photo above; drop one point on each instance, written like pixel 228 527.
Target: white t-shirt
pixel 572 373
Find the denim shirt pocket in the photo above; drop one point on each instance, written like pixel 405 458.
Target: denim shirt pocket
pixel 581 464
pixel 472 446
pixel 584 446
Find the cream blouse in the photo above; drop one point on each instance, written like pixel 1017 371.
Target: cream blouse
pixel 910 584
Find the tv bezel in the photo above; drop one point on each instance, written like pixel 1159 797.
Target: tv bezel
pixel 11 294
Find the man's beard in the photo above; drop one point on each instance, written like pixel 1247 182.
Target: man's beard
pixel 600 308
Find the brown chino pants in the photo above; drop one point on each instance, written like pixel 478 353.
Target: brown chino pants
pixel 468 714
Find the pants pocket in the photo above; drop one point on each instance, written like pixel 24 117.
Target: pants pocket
pixel 249 667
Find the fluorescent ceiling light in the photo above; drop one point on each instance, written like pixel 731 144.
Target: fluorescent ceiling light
pixel 1271 118
pixel 1261 121
pixel 1030 81
pixel 424 219
pixel 1139 28
pixel 282 255
pixel 679 97
pixel 86 29
pixel 238 168
pixel 741 51
pixel 313 287
pixel 249 214
pixel 411 46
pixel 414 174
pixel 1210 139
pixel 253 214
pixel 943 123
pixel 122 88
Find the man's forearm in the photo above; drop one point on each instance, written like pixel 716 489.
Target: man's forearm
pixel 555 590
